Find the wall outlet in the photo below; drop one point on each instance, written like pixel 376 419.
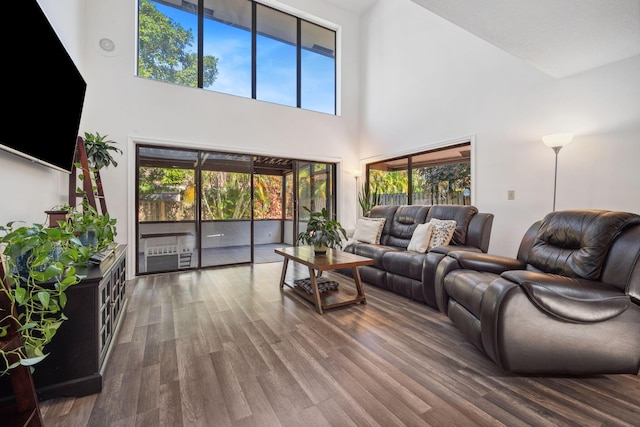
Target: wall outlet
pixel 511 195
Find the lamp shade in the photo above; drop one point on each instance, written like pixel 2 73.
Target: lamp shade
pixel 557 139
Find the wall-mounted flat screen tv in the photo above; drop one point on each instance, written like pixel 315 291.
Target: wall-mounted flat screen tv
pixel 44 91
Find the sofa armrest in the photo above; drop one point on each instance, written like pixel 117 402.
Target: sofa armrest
pixel 445 250
pixel 430 265
pixel 479 231
pixel 485 262
pixel 586 308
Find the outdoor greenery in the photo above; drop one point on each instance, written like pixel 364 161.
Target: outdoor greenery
pixel 163 50
pixel 227 195
pixel 430 185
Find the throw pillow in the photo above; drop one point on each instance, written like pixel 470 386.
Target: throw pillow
pixel 369 230
pixel 420 238
pixel 442 232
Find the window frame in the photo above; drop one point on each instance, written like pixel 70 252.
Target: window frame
pixel 408 158
pixel 299 16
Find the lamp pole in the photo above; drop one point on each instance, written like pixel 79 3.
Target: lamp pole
pixel 357 198
pixel 555 176
pixel 556 142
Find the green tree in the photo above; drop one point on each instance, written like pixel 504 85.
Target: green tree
pixel 445 183
pixel 267 197
pixel 163 51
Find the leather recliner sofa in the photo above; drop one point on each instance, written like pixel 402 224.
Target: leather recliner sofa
pixel 409 273
pixel 569 303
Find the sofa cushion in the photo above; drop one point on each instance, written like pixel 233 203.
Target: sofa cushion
pixel 442 232
pixel 387 213
pixel 369 230
pixel 369 250
pixel 404 222
pixel 576 243
pixel 421 238
pixel 460 214
pixel 404 263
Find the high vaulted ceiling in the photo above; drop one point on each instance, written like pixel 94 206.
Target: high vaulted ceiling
pixel 559 37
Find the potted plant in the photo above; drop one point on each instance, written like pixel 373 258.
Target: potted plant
pixel 368 199
pixel 39 267
pixel 99 150
pixel 94 230
pixel 322 232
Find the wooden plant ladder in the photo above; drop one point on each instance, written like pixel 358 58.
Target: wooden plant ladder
pixel 24 412
pixel 90 179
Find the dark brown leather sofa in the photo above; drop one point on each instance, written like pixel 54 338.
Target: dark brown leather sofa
pixel 569 303
pixel 409 273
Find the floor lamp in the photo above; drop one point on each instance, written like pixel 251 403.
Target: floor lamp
pixel 556 141
pixel 356 174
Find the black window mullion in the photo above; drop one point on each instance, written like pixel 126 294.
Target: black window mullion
pixel 335 75
pixel 299 63
pixel 254 38
pixel 409 181
pixel 200 43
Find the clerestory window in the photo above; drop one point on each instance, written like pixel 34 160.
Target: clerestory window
pixel 238 47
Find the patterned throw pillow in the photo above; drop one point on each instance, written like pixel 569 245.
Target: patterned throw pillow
pixel 442 232
pixel 369 230
pixel 421 238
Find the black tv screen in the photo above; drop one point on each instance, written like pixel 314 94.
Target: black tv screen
pixel 44 91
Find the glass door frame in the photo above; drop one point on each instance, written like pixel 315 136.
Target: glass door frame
pixel 329 198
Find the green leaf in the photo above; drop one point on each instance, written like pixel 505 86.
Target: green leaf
pixel 20 295
pixel 63 300
pixel 33 360
pixel 44 298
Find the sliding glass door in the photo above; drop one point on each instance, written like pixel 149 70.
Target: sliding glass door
pixel 226 234
pixel 199 209
pixel 315 190
pixel 167 226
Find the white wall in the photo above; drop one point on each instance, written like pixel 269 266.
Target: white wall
pixel 425 81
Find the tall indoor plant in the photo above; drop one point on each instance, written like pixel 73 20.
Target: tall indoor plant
pixel 322 232
pixel 368 199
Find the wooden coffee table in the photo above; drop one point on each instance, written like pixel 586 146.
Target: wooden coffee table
pixel 332 260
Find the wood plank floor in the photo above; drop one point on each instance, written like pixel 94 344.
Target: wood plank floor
pixel 225 347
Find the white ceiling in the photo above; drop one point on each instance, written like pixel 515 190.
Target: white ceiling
pixel 559 37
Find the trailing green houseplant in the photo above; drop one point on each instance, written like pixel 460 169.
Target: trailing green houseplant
pixel 96 231
pixel 322 232
pixel 39 267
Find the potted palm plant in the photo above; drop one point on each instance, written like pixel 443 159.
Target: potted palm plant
pixel 368 199
pixel 99 150
pixel 322 232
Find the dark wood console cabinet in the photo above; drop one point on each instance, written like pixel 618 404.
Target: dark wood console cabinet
pixel 80 350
